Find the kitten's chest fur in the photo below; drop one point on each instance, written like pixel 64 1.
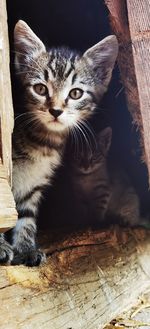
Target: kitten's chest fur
pixel 33 171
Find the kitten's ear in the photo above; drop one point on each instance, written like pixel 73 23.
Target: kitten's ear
pixel 104 140
pixel 26 42
pixel 102 57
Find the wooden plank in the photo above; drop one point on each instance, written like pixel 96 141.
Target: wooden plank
pixel 133 61
pixel 137 317
pixel 6 108
pixel 119 25
pixel 8 213
pixel 90 278
pixel 139 25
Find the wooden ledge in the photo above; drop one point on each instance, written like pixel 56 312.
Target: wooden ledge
pixel 89 278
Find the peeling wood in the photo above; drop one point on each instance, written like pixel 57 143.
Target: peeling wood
pixel 86 282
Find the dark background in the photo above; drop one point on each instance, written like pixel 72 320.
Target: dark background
pixel 79 24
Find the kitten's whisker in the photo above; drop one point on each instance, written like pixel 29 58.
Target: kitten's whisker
pixel 23 72
pixel 20 115
pixel 28 66
pixel 85 123
pixel 23 116
pixel 77 141
pixel 73 138
pixel 78 133
pixel 31 113
pixel 34 124
pixel 84 135
pixel 31 59
pixel 87 137
pixel 25 113
pixel 28 72
pixel 27 122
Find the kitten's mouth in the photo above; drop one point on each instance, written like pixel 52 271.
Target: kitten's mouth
pixel 56 124
pixel 56 121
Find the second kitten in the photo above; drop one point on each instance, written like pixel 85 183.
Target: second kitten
pixel 103 194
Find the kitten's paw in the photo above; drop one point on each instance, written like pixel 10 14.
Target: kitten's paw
pixel 6 253
pixel 31 258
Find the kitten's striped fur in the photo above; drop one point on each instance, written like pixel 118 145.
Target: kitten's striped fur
pixel 103 193
pixel 90 179
pixel 50 81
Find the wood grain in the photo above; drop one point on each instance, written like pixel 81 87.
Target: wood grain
pixel 90 278
pixel 8 213
pixel 139 25
pixel 6 108
pixel 130 22
pixel 119 24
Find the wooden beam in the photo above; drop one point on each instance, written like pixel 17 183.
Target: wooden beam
pixel 8 214
pixel 130 22
pixel 139 25
pixel 6 108
pixel 90 278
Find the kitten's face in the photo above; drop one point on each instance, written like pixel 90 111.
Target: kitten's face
pixel 61 88
pixel 92 160
pixel 88 162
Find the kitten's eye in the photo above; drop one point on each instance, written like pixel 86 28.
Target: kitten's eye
pixel 40 89
pixel 76 93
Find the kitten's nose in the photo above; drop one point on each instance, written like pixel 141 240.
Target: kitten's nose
pixel 55 113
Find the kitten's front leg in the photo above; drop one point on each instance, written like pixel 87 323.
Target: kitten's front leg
pixel 6 251
pixel 24 244
pixel 24 233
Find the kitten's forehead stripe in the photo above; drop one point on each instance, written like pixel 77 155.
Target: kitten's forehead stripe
pixel 74 78
pixel 46 75
pixel 62 62
pixel 52 70
pixel 69 71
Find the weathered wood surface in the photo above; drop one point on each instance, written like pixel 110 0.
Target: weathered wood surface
pixel 139 25
pixel 8 213
pixel 137 317
pixel 119 24
pixel 130 22
pixel 6 108
pixel 90 278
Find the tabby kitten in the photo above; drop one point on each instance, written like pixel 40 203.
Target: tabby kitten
pixel 103 193
pixel 60 89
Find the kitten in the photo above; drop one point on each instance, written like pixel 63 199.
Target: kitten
pixel 103 193
pixel 59 89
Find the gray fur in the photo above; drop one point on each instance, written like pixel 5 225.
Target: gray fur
pixel 39 138
pixel 101 193
pixel 6 250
